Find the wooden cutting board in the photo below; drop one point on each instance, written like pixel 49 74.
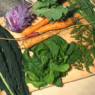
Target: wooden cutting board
pixel 72 74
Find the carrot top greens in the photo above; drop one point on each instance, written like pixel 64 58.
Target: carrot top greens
pixel 85 43
pixel 85 34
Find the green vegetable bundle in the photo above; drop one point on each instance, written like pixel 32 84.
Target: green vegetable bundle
pixel 50 61
pixel 12 78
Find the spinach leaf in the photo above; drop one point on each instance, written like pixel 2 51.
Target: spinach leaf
pixel 26 57
pixel 52 63
pixel 61 43
pixel 35 83
pixel 48 63
pixel 63 74
pixel 71 48
pixel 38 48
pixel 74 56
pixel 56 74
pixel 45 59
pixel 49 78
pixel 33 77
pixel 43 52
pixel 53 48
pixel 61 68
pixel 58 82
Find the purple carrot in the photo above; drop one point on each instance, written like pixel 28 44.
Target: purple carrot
pixel 30 35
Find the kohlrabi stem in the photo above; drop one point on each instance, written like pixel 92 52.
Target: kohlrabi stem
pixel 6 84
pixel 77 7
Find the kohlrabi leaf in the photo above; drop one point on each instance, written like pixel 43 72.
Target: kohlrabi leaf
pixel 44 3
pixel 53 13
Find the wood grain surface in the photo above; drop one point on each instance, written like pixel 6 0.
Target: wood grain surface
pixel 72 74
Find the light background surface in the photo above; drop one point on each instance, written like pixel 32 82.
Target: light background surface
pixel 80 87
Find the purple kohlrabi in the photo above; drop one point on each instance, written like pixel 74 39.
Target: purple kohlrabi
pixel 18 17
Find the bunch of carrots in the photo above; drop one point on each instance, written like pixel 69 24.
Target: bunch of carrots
pixel 43 27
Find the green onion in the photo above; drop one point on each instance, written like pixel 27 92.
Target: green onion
pixel 89 11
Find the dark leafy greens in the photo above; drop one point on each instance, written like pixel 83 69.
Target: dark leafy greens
pixel 11 75
pixel 50 61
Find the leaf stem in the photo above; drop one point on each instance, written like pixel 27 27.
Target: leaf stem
pixel 76 6
pixel 6 84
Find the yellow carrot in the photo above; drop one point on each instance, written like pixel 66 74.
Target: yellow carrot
pixel 37 39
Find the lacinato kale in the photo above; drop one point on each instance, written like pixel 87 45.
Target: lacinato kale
pixel 11 66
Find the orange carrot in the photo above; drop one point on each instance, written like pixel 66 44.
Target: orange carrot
pixel 57 25
pixel 33 28
pixel 35 40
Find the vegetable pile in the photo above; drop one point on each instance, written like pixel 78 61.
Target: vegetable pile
pixel 12 78
pixel 20 16
pixel 50 61
pixel 52 55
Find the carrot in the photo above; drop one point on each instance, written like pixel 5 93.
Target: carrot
pixel 37 39
pixel 33 28
pixel 58 25
pixel 30 35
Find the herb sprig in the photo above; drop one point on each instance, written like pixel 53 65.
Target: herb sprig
pixel 83 35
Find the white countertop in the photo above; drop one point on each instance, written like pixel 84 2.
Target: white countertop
pixel 84 86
